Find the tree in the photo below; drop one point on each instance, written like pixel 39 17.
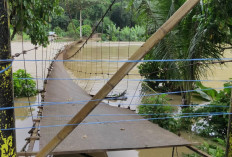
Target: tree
pixel 61 21
pixel 32 17
pixel 121 15
pixel 203 33
pixel 80 5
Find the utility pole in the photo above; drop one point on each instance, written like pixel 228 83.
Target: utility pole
pixel 229 131
pixel 7 137
pixel 80 23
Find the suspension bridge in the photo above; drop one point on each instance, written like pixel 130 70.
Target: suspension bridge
pixel 74 116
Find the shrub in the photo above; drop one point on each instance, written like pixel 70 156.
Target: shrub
pixel 23 88
pixel 210 149
pixel 71 31
pixel 59 31
pixel 140 33
pixel 159 111
pixel 107 22
pixel 104 37
pixel 76 23
pixel 26 37
pixel 125 34
pixel 215 125
pixel 86 30
pixel 87 22
pixel 186 123
pixel 114 33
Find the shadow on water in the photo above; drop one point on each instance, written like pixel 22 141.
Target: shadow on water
pixel 24 119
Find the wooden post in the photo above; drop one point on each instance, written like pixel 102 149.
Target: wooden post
pixel 229 132
pixel 118 76
pixel 7 137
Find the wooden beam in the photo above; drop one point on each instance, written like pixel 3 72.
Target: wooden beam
pixel 198 151
pixel 118 76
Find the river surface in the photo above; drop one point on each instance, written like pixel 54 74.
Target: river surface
pixel 109 51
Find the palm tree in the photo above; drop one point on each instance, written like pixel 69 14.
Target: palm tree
pixel 198 35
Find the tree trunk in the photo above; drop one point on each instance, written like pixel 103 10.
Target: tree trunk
pixel 7 134
pixel 80 25
pixel 186 96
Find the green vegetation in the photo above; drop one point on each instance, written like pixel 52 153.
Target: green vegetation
pixel 80 6
pixel 114 33
pixel 23 88
pixel 213 150
pixel 59 31
pixel 203 33
pixel 211 127
pixel 18 36
pixel 154 111
pixel 215 126
pixel 72 19
pixel 32 18
pixel 165 114
pixel 77 21
pixel 86 30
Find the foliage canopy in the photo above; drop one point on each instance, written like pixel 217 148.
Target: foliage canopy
pixel 203 33
pixel 32 17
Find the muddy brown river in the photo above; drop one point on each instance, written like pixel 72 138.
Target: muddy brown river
pixel 108 51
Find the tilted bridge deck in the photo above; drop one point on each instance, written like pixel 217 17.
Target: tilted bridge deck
pixel 96 137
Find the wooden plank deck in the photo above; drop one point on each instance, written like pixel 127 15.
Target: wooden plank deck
pixel 96 137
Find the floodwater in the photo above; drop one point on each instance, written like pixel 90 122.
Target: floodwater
pixel 100 72
pixel 108 51
pixel 219 72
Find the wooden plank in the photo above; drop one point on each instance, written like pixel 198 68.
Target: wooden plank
pixel 198 151
pixel 34 135
pixel 122 72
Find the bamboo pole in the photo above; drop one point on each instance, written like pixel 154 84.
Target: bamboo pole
pixel 118 76
pixel 7 137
